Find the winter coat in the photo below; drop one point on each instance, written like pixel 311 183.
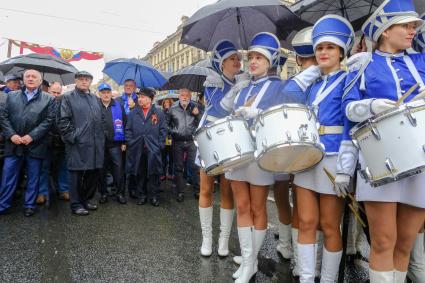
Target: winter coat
pixel 145 133
pixel 80 123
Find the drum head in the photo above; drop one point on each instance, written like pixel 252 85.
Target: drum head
pixel 290 158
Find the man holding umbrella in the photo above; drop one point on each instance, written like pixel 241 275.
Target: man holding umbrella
pixel 128 100
pixel 27 116
pixel 80 122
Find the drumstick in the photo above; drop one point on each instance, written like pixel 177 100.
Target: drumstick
pixel 356 215
pixel 353 200
pixel 409 92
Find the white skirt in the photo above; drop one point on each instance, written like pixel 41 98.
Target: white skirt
pixel 316 179
pixel 281 177
pixel 409 190
pixel 252 174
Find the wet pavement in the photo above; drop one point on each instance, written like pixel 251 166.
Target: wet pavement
pixel 124 243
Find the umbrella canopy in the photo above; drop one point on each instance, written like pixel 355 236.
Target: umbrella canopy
pixel 355 11
pixel 191 77
pixel 142 72
pixel 238 21
pixel 420 6
pixel 51 68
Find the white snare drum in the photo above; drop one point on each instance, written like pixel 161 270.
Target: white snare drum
pixel 224 144
pixel 392 143
pixel 287 139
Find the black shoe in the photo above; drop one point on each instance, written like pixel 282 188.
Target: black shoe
pixel 121 199
pixel 196 195
pixel 132 194
pixel 180 197
pixel 29 212
pixel 6 211
pixel 90 206
pixel 142 201
pixel 80 211
pixel 155 202
pixel 103 199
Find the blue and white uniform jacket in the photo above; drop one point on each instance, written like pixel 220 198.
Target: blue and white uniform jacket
pixel 215 89
pixel 386 76
pixel 325 96
pixel 265 90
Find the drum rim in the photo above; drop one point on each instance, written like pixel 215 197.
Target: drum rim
pixel 387 180
pixel 284 105
pixel 218 122
pixel 384 115
pixel 207 170
pixel 281 145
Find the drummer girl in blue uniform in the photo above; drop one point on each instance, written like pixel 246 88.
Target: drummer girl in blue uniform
pixel 250 183
pixel 317 198
pixel 226 61
pixel 395 211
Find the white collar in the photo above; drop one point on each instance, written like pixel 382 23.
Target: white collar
pixel 386 54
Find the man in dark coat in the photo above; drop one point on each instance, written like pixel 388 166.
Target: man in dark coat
pixel 26 119
pixel 80 123
pixel 145 134
pixel 115 120
pixel 183 119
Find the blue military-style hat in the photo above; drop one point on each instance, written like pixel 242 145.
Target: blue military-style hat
pixel 390 12
pixel 104 86
pixel 302 43
pixel 280 60
pixel 419 40
pixel 222 50
pixel 334 29
pixel 268 45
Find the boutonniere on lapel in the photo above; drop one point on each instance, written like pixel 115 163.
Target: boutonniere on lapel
pixel 154 119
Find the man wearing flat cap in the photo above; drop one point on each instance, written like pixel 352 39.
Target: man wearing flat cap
pixel 145 134
pixel 26 118
pixel 80 123
pixel 115 120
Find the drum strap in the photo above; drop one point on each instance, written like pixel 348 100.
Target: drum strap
pixel 323 93
pixel 260 95
pixel 412 68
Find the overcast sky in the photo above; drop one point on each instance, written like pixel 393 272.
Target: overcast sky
pixel 123 28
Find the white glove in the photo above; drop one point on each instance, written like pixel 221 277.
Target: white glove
pixel 380 105
pixel 342 183
pixel 307 77
pixel 247 112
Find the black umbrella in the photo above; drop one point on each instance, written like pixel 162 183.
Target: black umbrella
pixel 191 77
pixel 238 21
pixel 52 68
pixel 355 11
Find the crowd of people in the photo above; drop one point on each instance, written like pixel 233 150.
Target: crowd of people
pixel 71 142
pixel 77 138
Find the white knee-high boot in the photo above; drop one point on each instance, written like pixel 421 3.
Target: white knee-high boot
pixel 226 220
pixel 330 266
pixel 307 262
pixel 400 277
pixel 284 246
pixel 247 251
pixel 416 270
pixel 381 276
pixel 294 232
pixel 205 216
pixel 319 254
pixel 258 239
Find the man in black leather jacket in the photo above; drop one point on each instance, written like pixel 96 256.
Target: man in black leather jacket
pixel 80 123
pixel 26 119
pixel 183 119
